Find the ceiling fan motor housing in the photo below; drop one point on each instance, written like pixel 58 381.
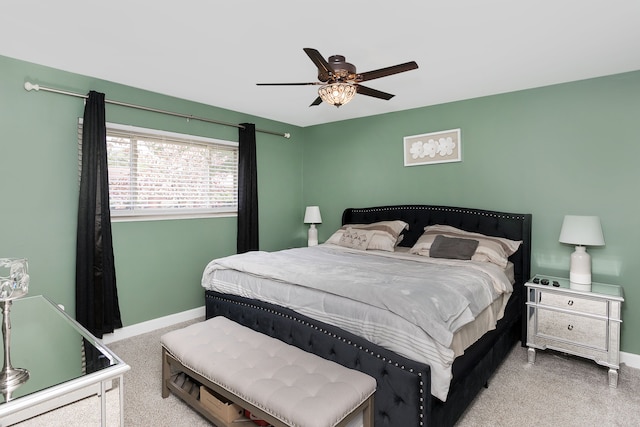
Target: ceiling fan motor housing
pixel 342 70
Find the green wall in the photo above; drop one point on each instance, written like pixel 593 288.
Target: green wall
pixel 564 149
pixel 159 263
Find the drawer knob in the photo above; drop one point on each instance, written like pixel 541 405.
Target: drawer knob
pixel 570 302
pixel 570 327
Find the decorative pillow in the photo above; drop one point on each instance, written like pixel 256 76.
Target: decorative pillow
pixel 387 234
pixel 356 239
pixel 452 247
pixel 492 249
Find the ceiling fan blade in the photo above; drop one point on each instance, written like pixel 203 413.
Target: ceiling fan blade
pixel 363 90
pixel 383 72
pixel 288 84
pixel 324 69
pixel 317 101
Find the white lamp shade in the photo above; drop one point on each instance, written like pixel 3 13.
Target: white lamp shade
pixel 312 215
pixel 582 230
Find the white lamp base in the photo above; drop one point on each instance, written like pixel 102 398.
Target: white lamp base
pixel 579 286
pixel 313 236
pixel 580 270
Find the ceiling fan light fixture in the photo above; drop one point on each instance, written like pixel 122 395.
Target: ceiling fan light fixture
pixel 337 93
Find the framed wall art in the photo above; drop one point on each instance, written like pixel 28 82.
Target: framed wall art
pixel 435 147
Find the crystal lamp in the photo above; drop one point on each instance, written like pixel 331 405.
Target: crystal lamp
pixel 14 283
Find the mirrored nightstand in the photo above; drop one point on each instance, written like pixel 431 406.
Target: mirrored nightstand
pixel 582 323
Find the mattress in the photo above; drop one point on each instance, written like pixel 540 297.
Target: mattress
pixel 370 322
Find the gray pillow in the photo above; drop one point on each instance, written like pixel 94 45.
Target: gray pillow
pixel 452 247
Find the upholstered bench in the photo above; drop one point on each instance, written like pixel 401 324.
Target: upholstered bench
pixel 277 382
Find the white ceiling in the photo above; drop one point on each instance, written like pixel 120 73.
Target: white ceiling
pixel 215 52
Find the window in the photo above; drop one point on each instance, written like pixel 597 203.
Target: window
pixel 162 174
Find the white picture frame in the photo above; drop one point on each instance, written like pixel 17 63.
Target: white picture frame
pixel 432 148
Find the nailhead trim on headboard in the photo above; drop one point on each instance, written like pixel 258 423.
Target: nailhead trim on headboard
pixel 441 209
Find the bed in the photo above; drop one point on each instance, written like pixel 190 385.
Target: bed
pixel 406 393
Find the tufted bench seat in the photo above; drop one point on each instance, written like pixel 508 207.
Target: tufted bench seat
pixel 277 382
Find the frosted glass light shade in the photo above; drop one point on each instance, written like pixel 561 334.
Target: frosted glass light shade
pixel 337 93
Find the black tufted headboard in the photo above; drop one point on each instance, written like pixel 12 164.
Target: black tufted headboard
pixel 492 223
pixel 403 396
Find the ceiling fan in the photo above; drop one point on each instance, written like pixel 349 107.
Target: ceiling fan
pixel 339 81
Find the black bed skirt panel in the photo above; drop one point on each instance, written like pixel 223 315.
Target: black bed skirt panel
pixel 403 393
pixel 480 361
pixel 402 383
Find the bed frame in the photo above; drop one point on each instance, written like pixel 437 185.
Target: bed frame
pixel 403 395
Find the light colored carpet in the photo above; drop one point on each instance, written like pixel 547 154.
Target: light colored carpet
pixel 83 413
pixel 557 390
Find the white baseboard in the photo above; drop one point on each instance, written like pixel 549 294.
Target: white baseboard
pixel 152 325
pixel 632 360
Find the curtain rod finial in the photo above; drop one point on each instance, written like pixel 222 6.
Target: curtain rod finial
pixel 287 135
pixel 30 86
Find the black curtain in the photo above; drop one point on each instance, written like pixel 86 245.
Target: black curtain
pixel 247 189
pixel 96 294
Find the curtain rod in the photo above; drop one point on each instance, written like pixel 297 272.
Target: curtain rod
pixel 30 86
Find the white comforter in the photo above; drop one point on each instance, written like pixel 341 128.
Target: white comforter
pixel 412 305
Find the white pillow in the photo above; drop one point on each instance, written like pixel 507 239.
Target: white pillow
pixel 492 249
pixel 356 239
pixel 386 234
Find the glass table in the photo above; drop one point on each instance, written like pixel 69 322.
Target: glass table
pixel 65 362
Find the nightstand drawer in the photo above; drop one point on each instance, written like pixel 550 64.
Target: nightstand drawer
pixel 586 331
pixel 573 303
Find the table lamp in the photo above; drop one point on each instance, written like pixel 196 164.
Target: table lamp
pixel 581 231
pixel 312 216
pixel 14 283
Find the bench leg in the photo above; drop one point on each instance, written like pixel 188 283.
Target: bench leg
pixel 166 373
pixel 367 414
